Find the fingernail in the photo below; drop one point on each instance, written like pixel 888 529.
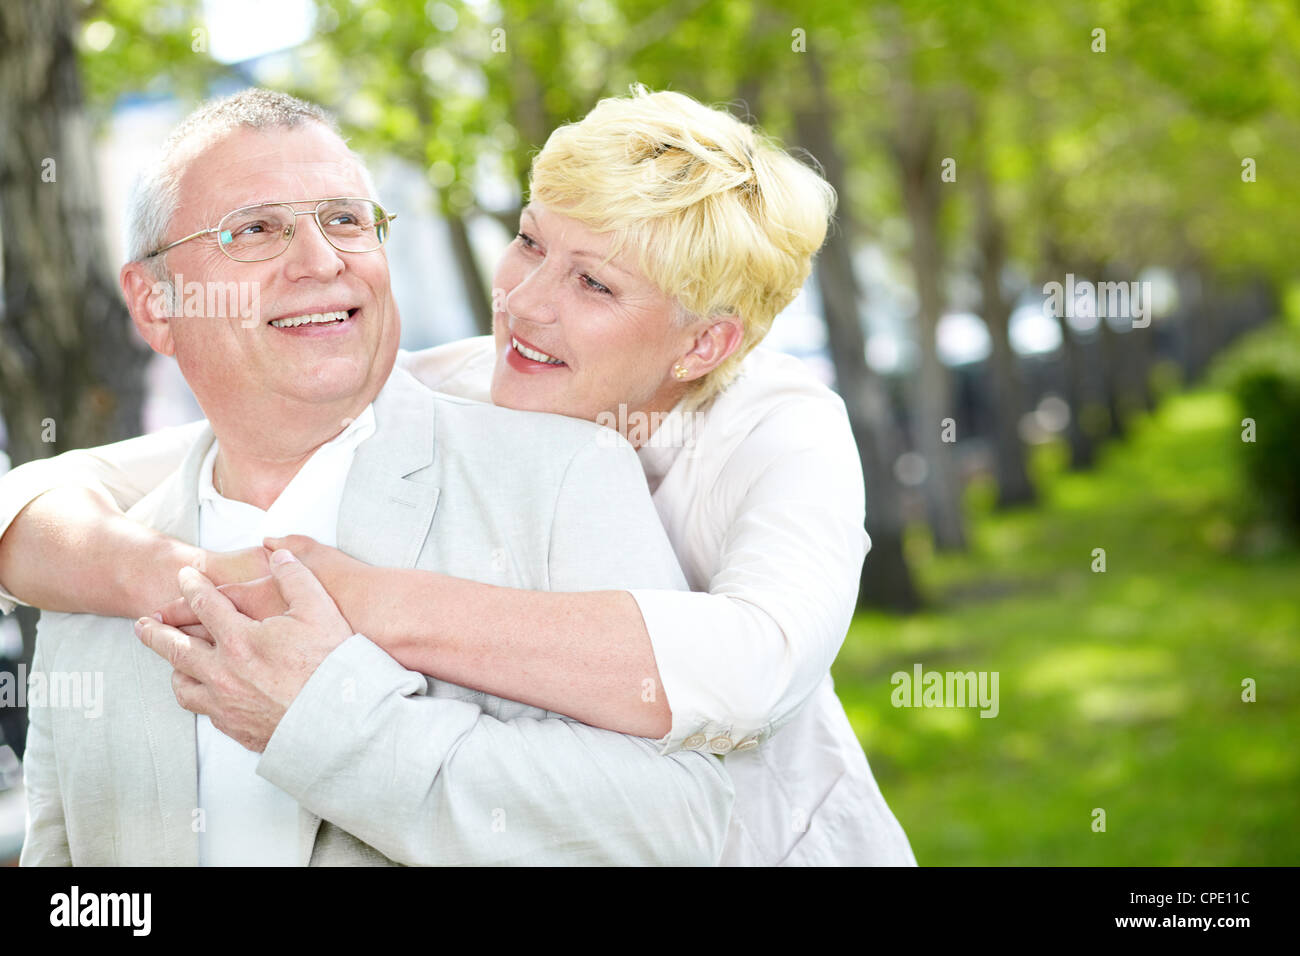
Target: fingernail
pixel 282 556
pixel 139 627
pixel 157 617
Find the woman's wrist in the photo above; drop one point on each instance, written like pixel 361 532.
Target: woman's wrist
pixel 147 576
pixel 354 586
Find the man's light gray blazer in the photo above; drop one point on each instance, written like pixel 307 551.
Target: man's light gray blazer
pixel 402 768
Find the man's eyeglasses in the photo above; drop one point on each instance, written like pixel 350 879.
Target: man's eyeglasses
pixel 256 233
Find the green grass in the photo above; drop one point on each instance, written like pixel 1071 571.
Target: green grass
pixel 1118 690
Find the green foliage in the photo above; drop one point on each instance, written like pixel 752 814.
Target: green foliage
pixel 142 46
pixel 1263 374
pixel 1119 690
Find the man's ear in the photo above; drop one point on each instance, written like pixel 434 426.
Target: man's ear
pixel 713 345
pixel 150 302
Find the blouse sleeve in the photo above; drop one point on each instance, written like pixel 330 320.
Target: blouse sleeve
pixel 738 661
pixel 126 471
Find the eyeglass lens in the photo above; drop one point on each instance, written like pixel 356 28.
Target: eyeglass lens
pixel 262 232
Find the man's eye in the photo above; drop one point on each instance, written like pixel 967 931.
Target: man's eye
pixel 595 286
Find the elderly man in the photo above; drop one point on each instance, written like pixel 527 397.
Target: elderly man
pixel 320 748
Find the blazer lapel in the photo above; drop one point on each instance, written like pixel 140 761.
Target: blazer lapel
pixel 385 514
pixel 173 509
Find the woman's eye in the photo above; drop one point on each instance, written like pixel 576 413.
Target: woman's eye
pixel 526 239
pixel 595 286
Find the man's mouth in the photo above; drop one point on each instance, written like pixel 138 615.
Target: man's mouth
pixel 532 354
pixel 314 318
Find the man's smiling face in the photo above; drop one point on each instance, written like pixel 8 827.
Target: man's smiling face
pixel 256 370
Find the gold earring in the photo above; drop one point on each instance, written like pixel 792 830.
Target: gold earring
pixel 680 371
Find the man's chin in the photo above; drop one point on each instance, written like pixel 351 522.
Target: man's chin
pixel 333 381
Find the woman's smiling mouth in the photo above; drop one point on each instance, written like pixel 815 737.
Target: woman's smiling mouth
pixel 526 358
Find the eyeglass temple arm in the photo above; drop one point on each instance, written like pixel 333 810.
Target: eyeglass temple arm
pixel 172 245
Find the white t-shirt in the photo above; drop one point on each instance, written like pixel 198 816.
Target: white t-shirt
pixel 246 821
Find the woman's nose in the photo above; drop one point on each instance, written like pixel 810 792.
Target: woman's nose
pixel 534 297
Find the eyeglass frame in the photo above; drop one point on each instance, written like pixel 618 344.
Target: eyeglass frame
pixel 388 217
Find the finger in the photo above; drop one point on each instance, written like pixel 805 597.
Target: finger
pixel 192 695
pixel 299 544
pixel 210 606
pixel 177 613
pixel 301 590
pixel 185 653
pixel 198 631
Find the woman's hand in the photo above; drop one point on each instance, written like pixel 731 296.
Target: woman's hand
pixel 259 598
pixel 230 567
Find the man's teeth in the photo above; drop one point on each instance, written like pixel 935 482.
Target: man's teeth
pixel 315 318
pixel 533 354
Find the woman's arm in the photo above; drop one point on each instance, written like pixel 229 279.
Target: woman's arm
pixel 735 663
pixel 738 662
pixel 66 546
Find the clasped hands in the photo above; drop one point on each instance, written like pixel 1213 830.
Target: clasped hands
pixel 242 652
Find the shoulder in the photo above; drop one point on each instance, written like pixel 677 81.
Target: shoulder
pixel 461 368
pixel 530 445
pixel 776 400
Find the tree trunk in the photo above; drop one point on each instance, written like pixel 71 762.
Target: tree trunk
pixel 471 276
pixel 918 167
pixel 71 368
pixel 1010 471
pixel 886 578
pixel 1073 360
pixel 1114 370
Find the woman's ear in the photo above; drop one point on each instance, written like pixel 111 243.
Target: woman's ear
pixel 149 300
pixel 713 345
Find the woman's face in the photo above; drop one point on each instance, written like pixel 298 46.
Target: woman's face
pixel 576 335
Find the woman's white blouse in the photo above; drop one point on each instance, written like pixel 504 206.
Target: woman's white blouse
pixel 762 497
pixel 763 500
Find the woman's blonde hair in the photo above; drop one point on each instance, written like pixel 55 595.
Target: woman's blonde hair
pixel 723 220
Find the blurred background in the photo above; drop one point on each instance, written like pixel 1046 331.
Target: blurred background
pixel 1098 503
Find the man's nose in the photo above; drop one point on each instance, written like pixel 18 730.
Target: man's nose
pixel 310 255
pixel 533 299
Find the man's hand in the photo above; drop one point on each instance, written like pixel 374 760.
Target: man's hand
pixel 247 678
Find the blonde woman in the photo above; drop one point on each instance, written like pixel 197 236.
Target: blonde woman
pixel 661 239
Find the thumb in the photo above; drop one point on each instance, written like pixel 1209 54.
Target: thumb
pixel 301 589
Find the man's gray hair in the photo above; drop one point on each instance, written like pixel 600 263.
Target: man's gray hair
pixel 156 192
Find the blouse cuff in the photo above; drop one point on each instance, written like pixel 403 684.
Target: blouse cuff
pixel 690 675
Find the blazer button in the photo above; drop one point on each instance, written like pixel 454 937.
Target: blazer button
pixel 721 745
pixel 747 744
pixel 694 742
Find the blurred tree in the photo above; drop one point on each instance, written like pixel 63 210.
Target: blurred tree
pixel 70 366
pixel 886 578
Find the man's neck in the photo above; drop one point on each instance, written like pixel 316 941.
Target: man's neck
pixel 256 465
